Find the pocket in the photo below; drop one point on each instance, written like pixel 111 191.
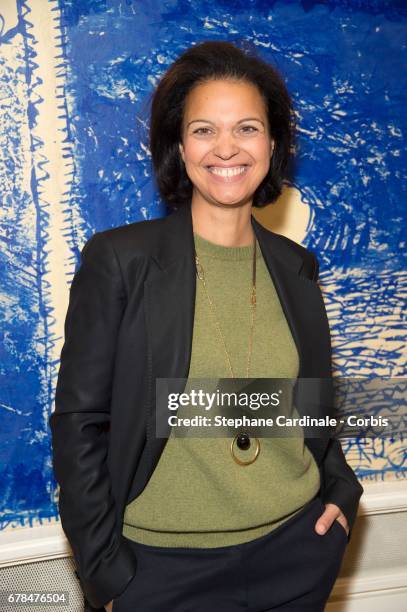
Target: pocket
pixel 336 526
pixel 340 528
pixel 116 605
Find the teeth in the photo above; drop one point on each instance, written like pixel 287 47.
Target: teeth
pixel 227 171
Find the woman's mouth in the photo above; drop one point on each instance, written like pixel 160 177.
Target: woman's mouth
pixel 228 175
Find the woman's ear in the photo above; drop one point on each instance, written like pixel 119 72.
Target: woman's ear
pixel 181 151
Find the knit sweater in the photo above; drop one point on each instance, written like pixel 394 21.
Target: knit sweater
pixel 198 496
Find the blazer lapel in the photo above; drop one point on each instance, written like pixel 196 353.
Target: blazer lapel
pixel 170 298
pixel 301 301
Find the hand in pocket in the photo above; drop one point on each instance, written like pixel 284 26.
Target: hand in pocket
pixel 331 513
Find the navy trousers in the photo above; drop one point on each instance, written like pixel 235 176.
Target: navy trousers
pixel 291 568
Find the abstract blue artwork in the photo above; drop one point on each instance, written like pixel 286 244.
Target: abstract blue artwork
pixel 76 77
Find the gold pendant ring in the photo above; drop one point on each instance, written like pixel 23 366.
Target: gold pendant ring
pixel 239 461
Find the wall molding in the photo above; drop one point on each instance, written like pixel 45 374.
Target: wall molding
pixel 383 498
pixel 32 544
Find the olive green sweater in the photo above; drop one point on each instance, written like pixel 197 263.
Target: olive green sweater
pixel 198 496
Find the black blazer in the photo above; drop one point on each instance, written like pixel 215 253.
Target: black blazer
pixel 129 320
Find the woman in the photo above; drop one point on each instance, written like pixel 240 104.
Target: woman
pixel 185 524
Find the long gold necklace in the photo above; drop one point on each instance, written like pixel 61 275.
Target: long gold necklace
pixel 242 439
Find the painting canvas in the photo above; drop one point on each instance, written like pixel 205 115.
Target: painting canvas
pixel 76 78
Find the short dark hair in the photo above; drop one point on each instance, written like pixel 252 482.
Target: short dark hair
pixel 206 61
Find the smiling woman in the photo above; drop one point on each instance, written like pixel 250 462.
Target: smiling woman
pixel 226 147
pixel 192 523
pixel 217 98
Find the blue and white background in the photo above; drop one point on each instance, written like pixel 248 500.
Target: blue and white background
pixel 75 83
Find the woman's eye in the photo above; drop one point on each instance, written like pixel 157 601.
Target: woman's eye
pixel 201 130
pixel 248 128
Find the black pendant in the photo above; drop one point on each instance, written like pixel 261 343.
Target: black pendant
pixel 243 441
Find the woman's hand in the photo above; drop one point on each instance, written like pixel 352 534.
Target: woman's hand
pixel 331 513
pixel 109 606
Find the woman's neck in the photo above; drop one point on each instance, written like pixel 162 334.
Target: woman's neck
pixel 222 225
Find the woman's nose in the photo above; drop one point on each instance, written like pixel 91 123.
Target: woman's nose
pixel 225 146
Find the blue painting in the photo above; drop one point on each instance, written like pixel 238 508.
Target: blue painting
pixel 75 160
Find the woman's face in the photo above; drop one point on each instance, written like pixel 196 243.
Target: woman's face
pixel 226 145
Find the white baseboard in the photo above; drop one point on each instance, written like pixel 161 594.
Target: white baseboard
pixel 31 544
pixel 383 498
pixel 381 590
pixel 393 600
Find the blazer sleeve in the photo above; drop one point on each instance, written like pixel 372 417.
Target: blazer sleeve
pixel 80 422
pixel 340 484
